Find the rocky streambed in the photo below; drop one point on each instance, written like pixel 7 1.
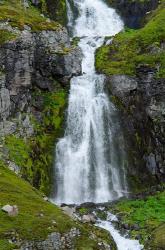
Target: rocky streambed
pixel 100 216
pixel 125 218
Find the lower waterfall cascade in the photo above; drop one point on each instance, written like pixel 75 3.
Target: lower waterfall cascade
pixel 90 158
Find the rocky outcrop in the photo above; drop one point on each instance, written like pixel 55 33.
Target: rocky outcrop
pixel 141 101
pixel 35 69
pixel 34 59
pixel 55 241
pixel 133 12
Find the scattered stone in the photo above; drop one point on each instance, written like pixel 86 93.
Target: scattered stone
pixel 11 210
pixel 46 198
pixel 88 218
pixel 12 166
pixel 69 211
pixel 54 222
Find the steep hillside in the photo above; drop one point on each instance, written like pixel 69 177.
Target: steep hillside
pixel 39 224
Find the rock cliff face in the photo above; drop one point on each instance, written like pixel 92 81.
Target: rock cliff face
pixel 35 68
pixel 141 101
pixel 134 65
pixel 34 59
pixel 133 12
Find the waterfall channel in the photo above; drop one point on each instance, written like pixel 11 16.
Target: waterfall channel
pixel 90 158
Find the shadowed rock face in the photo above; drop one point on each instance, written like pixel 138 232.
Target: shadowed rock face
pixel 141 100
pixel 133 12
pixel 34 59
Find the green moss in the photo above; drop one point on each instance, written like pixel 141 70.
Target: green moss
pixel 6 36
pixel 57 10
pixel 116 100
pixel 18 16
pixel 157 241
pixel 148 214
pixel 5 244
pixel 35 156
pixel 83 210
pixel 133 47
pixel 28 224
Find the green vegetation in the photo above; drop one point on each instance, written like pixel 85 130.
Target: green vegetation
pixel 6 36
pixel 148 214
pixel 29 224
pixel 83 210
pixel 131 48
pixel 17 15
pixel 57 10
pixel 157 241
pixel 35 155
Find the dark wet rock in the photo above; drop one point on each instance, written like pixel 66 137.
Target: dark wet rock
pixel 136 227
pixel 141 103
pixel 133 12
pixel 126 226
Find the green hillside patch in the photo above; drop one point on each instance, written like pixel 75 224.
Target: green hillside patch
pixel 148 214
pixel 131 48
pixel 29 224
pixel 17 15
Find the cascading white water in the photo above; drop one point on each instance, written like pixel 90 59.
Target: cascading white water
pixel 122 242
pixel 90 158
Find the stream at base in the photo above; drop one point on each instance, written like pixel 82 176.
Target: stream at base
pixel 122 242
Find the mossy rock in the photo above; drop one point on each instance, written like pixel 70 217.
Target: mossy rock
pixel 17 15
pixel 35 155
pixel 131 48
pixel 6 36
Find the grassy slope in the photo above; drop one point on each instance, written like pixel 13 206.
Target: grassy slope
pixel 148 214
pixel 29 225
pixel 133 47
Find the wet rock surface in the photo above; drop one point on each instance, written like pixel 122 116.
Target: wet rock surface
pixel 133 12
pixel 141 102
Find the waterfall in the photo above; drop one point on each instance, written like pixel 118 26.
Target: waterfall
pixel 90 158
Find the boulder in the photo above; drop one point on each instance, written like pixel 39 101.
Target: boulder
pixel 11 210
pixel 122 85
pixel 88 218
pixel 69 211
